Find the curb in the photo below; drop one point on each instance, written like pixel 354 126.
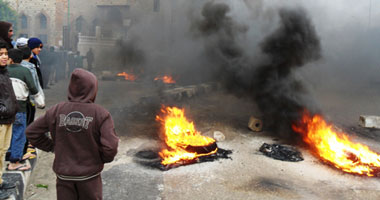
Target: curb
pixel 21 180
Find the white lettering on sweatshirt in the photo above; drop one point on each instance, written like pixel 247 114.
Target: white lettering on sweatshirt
pixel 74 121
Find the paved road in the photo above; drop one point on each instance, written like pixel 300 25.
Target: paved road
pixel 249 175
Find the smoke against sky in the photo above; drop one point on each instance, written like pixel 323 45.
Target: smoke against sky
pixel 268 77
pixel 244 43
pixel 344 28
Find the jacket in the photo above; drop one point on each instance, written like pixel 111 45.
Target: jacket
pixel 39 98
pixel 37 62
pixel 8 103
pixel 83 137
pixel 23 84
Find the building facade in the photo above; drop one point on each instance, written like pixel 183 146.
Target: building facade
pixel 43 19
pixel 60 22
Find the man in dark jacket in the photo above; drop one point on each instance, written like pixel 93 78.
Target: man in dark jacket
pixel 82 137
pixel 6 33
pixel 8 110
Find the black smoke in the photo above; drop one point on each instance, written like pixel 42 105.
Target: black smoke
pixel 278 93
pixel 221 35
pixel 130 56
pixel 266 77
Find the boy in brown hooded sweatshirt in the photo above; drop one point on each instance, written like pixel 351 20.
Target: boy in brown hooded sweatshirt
pixel 82 137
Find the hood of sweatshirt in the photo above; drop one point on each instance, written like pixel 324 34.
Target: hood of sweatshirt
pixel 4 29
pixel 83 86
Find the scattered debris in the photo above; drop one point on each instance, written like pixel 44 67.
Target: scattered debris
pixel 151 158
pixel 219 136
pixel 255 124
pixel 369 121
pixel 281 152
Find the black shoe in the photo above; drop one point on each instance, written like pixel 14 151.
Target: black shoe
pixel 4 195
pixel 6 185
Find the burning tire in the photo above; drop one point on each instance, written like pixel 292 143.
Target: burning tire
pixel 202 149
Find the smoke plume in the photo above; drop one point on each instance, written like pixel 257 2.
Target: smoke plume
pixel 278 93
pixel 268 77
pixel 129 55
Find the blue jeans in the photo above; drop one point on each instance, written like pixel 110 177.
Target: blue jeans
pixel 18 138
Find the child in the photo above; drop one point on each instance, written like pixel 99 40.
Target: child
pixel 36 100
pixel 39 98
pixel 23 85
pixel 82 137
pixel 36 46
pixel 8 109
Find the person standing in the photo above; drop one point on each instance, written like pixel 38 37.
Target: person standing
pixel 39 98
pixel 6 33
pixel 90 59
pixel 70 62
pixel 23 86
pixel 78 60
pixel 82 138
pixel 35 101
pixel 36 46
pixel 8 110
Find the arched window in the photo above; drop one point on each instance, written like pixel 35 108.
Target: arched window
pixel 24 21
pixel 43 21
pixel 79 22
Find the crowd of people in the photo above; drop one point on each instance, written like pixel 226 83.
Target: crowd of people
pixel 25 71
pixel 56 64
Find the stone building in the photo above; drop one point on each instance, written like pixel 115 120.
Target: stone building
pixel 40 18
pixel 60 21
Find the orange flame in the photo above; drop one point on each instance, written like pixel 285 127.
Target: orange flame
pixel 335 147
pixel 179 134
pixel 165 79
pixel 128 77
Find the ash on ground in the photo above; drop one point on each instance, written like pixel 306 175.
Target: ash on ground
pixel 150 158
pixel 281 152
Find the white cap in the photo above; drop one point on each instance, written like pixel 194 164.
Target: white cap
pixel 22 42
